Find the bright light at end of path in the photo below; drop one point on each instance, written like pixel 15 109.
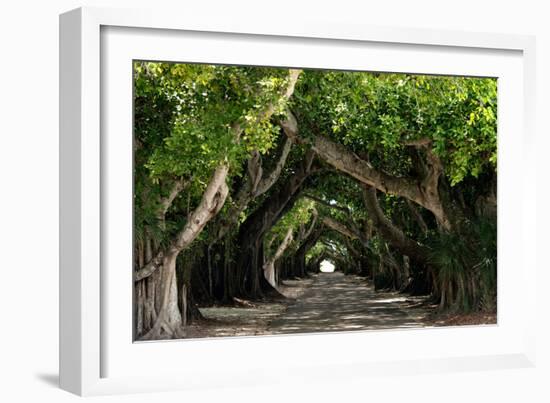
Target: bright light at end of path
pixel 326 267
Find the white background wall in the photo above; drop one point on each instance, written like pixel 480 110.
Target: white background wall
pixel 29 201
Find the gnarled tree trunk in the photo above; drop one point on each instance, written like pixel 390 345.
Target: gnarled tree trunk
pixel 253 229
pixel 168 322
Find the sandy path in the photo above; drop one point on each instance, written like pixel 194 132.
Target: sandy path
pixel 334 302
pixel 322 302
pixel 223 321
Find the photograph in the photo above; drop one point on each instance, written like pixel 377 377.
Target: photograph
pixel 286 200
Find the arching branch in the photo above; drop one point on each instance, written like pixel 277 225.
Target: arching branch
pixel 392 234
pixel 422 191
pixel 256 182
pixel 165 202
pixel 340 228
pixel 211 202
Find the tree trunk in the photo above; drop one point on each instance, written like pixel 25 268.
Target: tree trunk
pixel 168 322
pixel 252 230
pixel 256 182
pixel 269 265
pixel 392 234
pixel 299 258
pixel 255 185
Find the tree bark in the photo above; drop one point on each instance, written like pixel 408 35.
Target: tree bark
pixel 211 202
pixel 261 220
pixel 256 183
pixel 168 316
pixel 299 258
pixel 422 191
pixel 341 228
pixel 254 186
pixel 269 265
pixel 168 322
pixel 417 216
pixel 392 234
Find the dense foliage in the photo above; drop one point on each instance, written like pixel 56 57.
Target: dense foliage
pixel 377 113
pixel 389 176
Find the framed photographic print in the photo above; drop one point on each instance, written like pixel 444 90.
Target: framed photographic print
pixel 235 194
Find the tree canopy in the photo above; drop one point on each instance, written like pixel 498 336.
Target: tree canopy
pixel 240 171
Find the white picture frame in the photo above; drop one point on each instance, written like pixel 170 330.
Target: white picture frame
pixel 96 354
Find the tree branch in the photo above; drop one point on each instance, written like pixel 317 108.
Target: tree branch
pixel 211 202
pixel 393 235
pixel 417 217
pixel 165 202
pixel 256 185
pixel 421 142
pixel 327 204
pixel 287 240
pixel 265 184
pixel 340 227
pixel 423 192
pixel 352 225
pixel 311 226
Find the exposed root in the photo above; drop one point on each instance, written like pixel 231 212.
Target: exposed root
pixel 243 302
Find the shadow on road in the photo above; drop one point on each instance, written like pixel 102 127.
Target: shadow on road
pixel 335 302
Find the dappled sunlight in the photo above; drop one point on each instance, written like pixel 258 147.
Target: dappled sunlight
pixel 325 302
pixel 389 300
pixel 335 302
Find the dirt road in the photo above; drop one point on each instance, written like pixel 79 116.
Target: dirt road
pixel 322 302
pixel 334 302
